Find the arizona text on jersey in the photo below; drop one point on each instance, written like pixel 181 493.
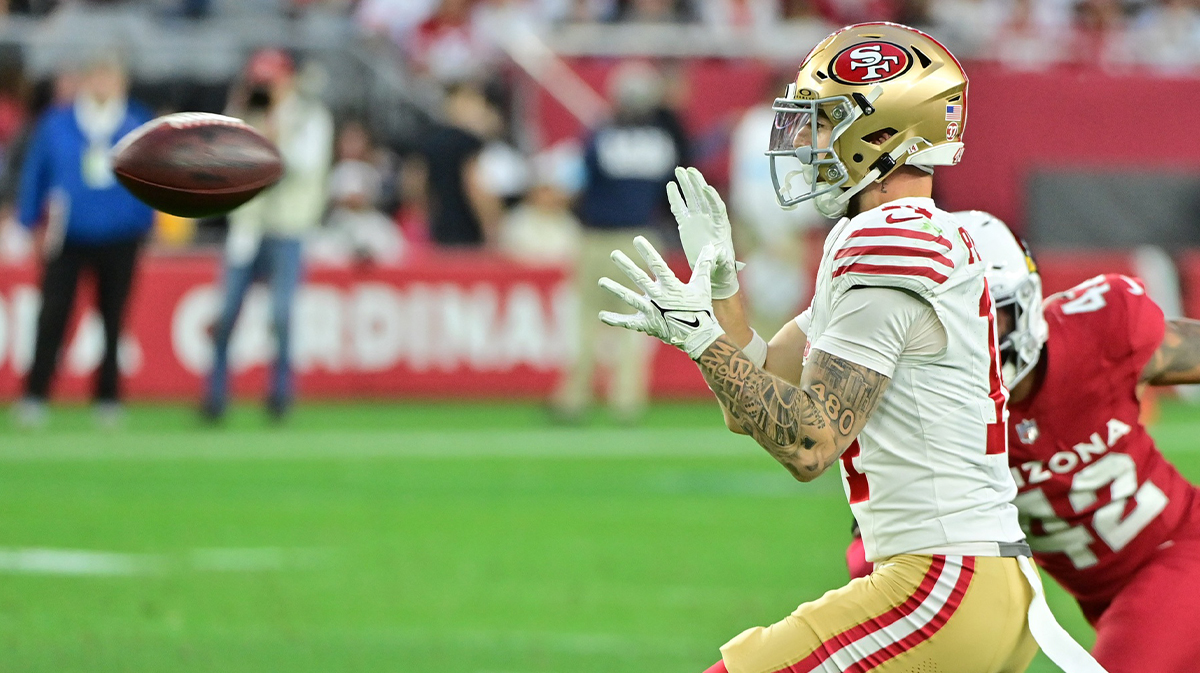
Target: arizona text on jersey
pixel 1095 495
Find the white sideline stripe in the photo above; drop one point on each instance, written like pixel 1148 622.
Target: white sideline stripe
pixel 77 562
pixel 521 641
pixel 83 562
pixel 551 444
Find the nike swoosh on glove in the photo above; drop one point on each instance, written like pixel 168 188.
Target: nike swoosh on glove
pixel 678 313
pixel 703 220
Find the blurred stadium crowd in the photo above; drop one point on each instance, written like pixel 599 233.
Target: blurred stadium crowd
pixel 468 46
pixel 447 39
pixel 455 59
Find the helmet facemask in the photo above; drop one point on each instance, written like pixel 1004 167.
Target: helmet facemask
pixel 821 170
pixel 1021 348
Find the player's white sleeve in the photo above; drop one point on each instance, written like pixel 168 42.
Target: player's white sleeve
pixel 876 326
pixel 804 320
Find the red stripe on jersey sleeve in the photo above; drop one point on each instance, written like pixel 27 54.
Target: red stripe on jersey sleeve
pixel 888 270
pixel 902 233
pixel 894 251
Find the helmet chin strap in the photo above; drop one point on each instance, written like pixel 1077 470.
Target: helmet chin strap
pixel 841 202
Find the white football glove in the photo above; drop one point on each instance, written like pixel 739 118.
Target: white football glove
pixel 702 220
pixel 679 314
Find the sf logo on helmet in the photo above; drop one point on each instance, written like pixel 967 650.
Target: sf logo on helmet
pixel 870 63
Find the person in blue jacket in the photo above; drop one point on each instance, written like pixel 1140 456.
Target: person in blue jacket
pixel 89 222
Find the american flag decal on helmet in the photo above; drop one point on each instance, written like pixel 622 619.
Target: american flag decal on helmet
pixel 953 113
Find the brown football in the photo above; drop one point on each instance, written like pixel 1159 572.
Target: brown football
pixel 196 164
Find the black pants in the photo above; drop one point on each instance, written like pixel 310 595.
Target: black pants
pixel 112 265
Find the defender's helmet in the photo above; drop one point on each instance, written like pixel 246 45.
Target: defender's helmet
pixel 1014 282
pixel 856 85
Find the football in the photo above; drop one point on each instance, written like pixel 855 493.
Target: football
pixel 196 164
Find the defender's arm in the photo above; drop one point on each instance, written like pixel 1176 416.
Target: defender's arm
pixel 1177 360
pixel 807 427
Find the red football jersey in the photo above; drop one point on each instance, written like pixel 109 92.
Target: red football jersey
pixel 1095 495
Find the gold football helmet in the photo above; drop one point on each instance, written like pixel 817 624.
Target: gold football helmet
pixel 863 83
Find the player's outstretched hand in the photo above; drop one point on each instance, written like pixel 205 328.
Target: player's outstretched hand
pixel 702 220
pixel 678 313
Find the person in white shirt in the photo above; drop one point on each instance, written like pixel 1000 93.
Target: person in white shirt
pixel 265 235
pixel 356 231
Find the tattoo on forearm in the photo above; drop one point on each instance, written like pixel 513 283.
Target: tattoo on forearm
pixel 835 399
pixel 845 391
pixel 1177 360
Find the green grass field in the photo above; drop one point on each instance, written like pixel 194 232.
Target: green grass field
pixel 415 538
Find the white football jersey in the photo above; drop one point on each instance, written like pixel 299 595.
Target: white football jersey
pixel 929 471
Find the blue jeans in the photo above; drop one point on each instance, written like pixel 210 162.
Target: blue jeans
pixel 278 262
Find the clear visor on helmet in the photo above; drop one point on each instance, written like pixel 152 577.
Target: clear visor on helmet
pixel 804 164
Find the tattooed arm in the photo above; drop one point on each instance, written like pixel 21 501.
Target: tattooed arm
pixel 1177 360
pixel 785 351
pixel 807 427
pixel 785 359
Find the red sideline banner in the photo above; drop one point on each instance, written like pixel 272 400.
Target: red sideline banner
pixel 446 327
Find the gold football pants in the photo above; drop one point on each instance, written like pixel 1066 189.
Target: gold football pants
pixel 924 614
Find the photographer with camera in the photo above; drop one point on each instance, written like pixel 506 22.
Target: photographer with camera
pixel 265 235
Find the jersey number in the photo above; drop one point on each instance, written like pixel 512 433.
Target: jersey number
pixel 1118 472
pixel 860 489
pixel 1089 295
pixel 997 434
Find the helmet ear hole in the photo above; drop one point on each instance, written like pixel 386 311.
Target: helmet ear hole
pixel 857 158
pixel 879 137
